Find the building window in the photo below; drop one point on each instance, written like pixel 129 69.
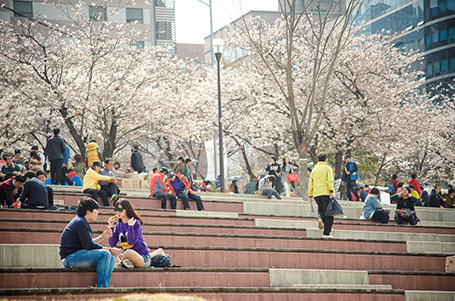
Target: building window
pixel 443 35
pixel 444 66
pixel 451 5
pixel 452 33
pixel 436 68
pixel 442 7
pixel 452 63
pixel 429 69
pixel 434 37
pixel 97 13
pixel 164 31
pixel 139 44
pixel 134 15
pixel 23 8
pixel 428 40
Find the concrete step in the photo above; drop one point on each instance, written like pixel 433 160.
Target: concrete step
pixel 216 293
pixel 294 277
pixel 28 255
pixel 429 295
pixel 387 236
pixel 350 286
pixel 431 247
pixel 432 281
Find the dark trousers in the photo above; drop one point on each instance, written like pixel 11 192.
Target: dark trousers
pixel 110 189
pixel 56 171
pixel 269 192
pixel 50 198
pixel 323 202
pixel 349 186
pixel 380 216
pixel 94 194
pixel 164 197
pixel 64 178
pixel 193 197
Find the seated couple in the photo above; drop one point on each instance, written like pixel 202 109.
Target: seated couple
pixel 79 250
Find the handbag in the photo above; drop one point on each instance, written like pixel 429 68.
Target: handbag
pixel 293 177
pixel 333 208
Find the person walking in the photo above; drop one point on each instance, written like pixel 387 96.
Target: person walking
pixel 136 159
pixel 55 149
pixel 320 189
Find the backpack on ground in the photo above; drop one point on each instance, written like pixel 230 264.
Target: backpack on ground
pixel 161 261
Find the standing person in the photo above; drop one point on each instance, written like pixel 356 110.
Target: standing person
pixel 181 188
pixel 373 210
pixel 415 183
pixel 91 183
pixel 187 172
pixel 80 169
pixel 274 169
pixel 160 191
pixel 393 185
pixel 265 187
pixel 136 159
pixel 10 169
pixel 320 189
pixel 234 188
pixel 79 250
pixel 93 153
pixel 65 167
pixel 128 232
pixel 10 190
pixel 180 166
pixel 350 175
pixel 110 188
pixel 39 162
pixel 286 169
pixel 55 148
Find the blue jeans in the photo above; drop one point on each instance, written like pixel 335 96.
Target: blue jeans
pixel 147 260
pixel 99 258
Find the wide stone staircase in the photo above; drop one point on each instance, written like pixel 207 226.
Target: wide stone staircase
pixel 243 247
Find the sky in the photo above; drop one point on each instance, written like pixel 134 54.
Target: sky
pixel 193 18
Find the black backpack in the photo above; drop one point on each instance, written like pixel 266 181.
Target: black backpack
pixel 161 261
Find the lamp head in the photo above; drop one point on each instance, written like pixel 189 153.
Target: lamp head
pixel 218 45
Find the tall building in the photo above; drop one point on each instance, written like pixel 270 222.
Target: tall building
pixel 156 21
pixel 424 25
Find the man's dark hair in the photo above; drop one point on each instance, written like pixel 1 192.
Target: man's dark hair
pixel 400 184
pixel 274 158
pixel 374 191
pixel 181 159
pixel 86 204
pixel 154 169
pixel 413 175
pixel 6 157
pixel 187 160
pixel 56 131
pixel 30 174
pixel 366 186
pixel 40 172
pixel 451 190
pixel 107 161
pixel 34 147
pixel 322 157
pixel 20 179
pixel 394 176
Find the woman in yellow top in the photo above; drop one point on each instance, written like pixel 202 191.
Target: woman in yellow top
pixel 91 183
pixel 93 153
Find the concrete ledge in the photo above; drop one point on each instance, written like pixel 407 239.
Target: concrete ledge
pixel 29 255
pixel 386 236
pixel 192 213
pixel 430 247
pixel 290 277
pixel 277 223
pixel 429 295
pixel 348 286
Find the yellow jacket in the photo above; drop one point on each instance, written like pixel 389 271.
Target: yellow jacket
pixel 92 153
pixel 321 180
pixel 92 178
pixel 415 194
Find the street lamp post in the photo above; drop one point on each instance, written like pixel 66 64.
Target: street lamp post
pixel 218 48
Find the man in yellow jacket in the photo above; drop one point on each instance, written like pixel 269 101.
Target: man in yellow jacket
pixel 320 189
pixel 91 184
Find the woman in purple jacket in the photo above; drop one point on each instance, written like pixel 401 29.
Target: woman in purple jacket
pixel 128 232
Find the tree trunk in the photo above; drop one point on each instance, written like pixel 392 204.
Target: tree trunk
pixel 303 177
pixel 381 166
pixel 338 164
pixel 247 163
pixel 313 154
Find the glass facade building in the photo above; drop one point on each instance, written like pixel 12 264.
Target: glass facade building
pixel 424 25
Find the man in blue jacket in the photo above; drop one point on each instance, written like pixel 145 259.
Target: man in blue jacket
pixel 350 175
pixel 79 250
pixel 34 194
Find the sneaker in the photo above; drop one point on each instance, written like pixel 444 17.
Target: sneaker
pixel 327 236
pixel 127 264
pixel 320 224
pixel 114 198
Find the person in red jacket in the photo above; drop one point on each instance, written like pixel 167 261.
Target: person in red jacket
pixel 394 183
pixel 10 190
pixel 159 190
pixel 414 182
pixel 178 184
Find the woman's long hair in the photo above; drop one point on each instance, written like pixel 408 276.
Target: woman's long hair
pixel 130 212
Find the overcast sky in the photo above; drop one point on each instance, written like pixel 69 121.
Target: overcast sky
pixel 193 18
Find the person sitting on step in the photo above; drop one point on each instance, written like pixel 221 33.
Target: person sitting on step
pixel 91 183
pixel 180 187
pixel 160 191
pixel 373 210
pixel 266 185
